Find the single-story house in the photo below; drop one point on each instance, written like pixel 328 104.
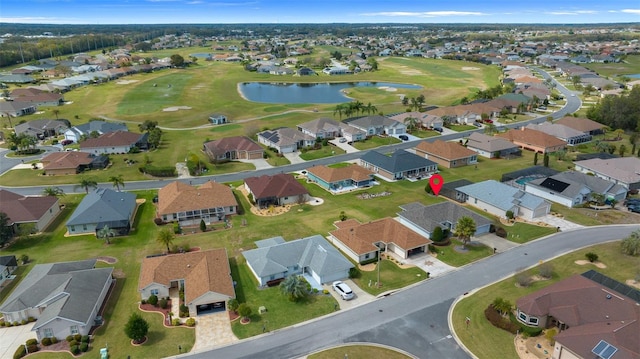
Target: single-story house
pixel 447 154
pixel 425 120
pixel 341 178
pixel 424 219
pixel 204 275
pixel 37 97
pixel 217 119
pixel 38 210
pixel 188 205
pixel 305 71
pixel 596 316
pixel 312 257
pixel 103 207
pixel 70 163
pixel 8 265
pixel 321 128
pixel 75 133
pixel 41 128
pixel 497 198
pixel 64 298
pixel 118 142
pixel 233 148
pixel 573 188
pixel 16 108
pixel 565 133
pixel 285 140
pixel 533 140
pixel 583 125
pixel 624 170
pixel 401 164
pixel 364 241
pixel 377 125
pixel 278 190
pixel 491 146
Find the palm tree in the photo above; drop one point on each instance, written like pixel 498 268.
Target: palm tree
pixel 105 232
pixel 87 183
pixel 56 112
pixel 117 181
pixel 369 109
pixel 420 100
pixel 411 123
pixel 465 228
pixel 53 191
pixel 339 110
pixel 490 128
pixel 414 104
pixel 165 237
pixel 293 287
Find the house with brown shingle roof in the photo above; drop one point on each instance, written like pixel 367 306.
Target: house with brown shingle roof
pixel 114 143
pixel 279 189
pixel 362 242
pixel 340 179
pixel 70 163
pixel 37 97
pixel 584 125
pixel 447 154
pixel 533 140
pixel 587 309
pixel 233 148
pixel 188 205
pixel 20 209
pixel 205 276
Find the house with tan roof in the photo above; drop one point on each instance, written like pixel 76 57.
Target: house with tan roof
pixel 39 210
pixel 365 241
pixel 583 125
pixel 533 140
pixel 596 316
pixel 491 146
pixel 233 148
pixel 188 205
pixel 70 163
pixel 279 190
pixel 205 276
pixel 340 179
pixel 118 142
pixel 447 154
pixel 37 97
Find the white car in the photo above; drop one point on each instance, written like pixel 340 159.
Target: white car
pixel 343 289
pixel 342 140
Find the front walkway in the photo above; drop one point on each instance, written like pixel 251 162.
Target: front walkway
pixel 174 295
pixel 213 330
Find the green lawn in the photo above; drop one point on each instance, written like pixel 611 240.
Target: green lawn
pixel 462 128
pixel 525 232
pixel 375 141
pixel 391 277
pixel 324 151
pixel 480 331
pixel 358 352
pixel 425 133
pixel 453 254
pixel 276 159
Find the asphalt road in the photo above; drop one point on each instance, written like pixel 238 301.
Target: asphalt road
pixel 414 319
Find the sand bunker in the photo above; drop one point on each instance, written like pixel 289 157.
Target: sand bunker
pixel 176 108
pixel 388 89
pixel 467 68
pixel 125 82
pixel 585 262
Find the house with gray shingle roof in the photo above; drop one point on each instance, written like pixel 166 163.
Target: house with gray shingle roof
pixel 573 188
pixel 624 170
pixel 41 128
pixel 101 127
pixel 276 259
pixel 16 108
pixel 64 298
pixel 424 219
pixel 103 207
pixel 285 140
pixel 491 146
pixel 377 125
pixel 569 135
pixel 401 164
pixel 497 198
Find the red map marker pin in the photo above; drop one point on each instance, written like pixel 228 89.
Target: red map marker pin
pixel 436 181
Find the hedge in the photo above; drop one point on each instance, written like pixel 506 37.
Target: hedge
pixel 498 321
pixel 165 171
pixel 20 352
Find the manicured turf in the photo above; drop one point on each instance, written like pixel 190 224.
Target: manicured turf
pixel 358 352
pixel 480 331
pixel 375 141
pixel 325 151
pixel 391 277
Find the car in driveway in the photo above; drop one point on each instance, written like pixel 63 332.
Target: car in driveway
pixel 342 140
pixel 343 290
pixel 404 137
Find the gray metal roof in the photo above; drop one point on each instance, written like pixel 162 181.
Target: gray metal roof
pixel 400 161
pixel 104 205
pixel 501 195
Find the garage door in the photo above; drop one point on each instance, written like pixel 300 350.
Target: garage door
pixel 210 308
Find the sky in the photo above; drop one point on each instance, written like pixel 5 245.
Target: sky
pixel 317 11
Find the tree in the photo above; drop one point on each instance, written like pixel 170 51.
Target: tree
pixel 233 305
pixel 105 233
pixel 203 225
pixel 437 235
pixel 55 112
pixel 631 244
pixel 166 237
pixel 373 63
pixel 622 150
pixel 420 100
pixel 490 128
pixel 117 181
pixel 502 305
pixel 411 123
pixel 155 135
pixel 545 160
pixel 294 288
pixel 465 228
pixel 244 310
pixel 535 159
pixel 147 125
pixel 340 110
pixel 136 328
pixel 53 191
pixel 177 60
pixel 86 183
pixel 369 109
pixel 5 229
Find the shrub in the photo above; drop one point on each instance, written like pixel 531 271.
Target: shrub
pixel 85 338
pixel 592 257
pixel 158 221
pixel 546 270
pixel 162 303
pixel 15 324
pixel 176 228
pixel 523 279
pixel 509 214
pixel 73 343
pixel 77 337
pixel 437 234
pixel 175 322
pixel 153 300
pixel 501 232
pixel 31 319
pixel 46 341
pixel 191 322
pixel 54 340
pixel 84 347
pixel 8 324
pixel 75 350
pixel 23 322
pixel 69 338
pixel 143 302
pixel 550 334
pixel 498 321
pixel 354 273
pixel 2 324
pixel 432 248
pixel 32 348
pixel 20 352
pixel 233 305
pixel 32 341
pixel 325 291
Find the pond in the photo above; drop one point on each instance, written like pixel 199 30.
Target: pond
pixel 326 92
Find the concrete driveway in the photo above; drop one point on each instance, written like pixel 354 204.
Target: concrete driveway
pixel 344 145
pixel 213 330
pixel 294 157
pixel 260 163
pixel 361 297
pixel 11 338
pixel 559 222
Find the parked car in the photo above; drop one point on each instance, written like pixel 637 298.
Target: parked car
pixel 342 140
pixel 343 290
pixel 439 129
pixel 634 209
pixel 632 202
pixel 66 142
pixel 477 124
pixel 404 137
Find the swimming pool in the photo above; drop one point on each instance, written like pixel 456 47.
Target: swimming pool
pixel 523 180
